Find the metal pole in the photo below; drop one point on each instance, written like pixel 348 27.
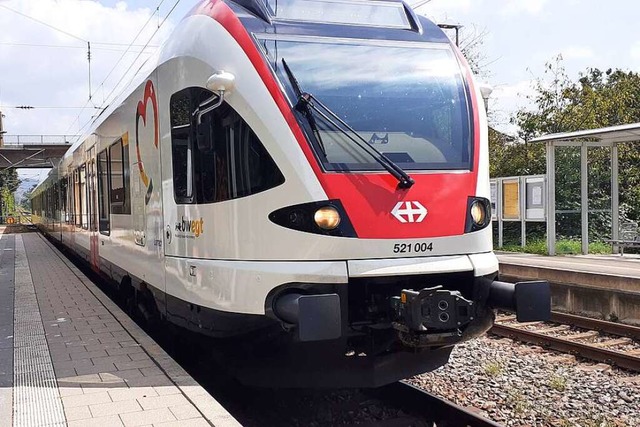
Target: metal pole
pixel 1 131
pixel 551 198
pixel 500 208
pixel 523 211
pixel 615 197
pixel 584 197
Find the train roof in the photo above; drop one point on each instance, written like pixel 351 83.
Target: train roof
pixel 364 19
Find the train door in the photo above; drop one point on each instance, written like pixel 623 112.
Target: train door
pixel 92 200
pixel 183 212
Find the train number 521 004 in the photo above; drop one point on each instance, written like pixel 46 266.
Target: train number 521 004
pixel 415 248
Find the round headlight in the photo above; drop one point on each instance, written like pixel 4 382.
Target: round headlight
pixel 478 213
pixel 327 218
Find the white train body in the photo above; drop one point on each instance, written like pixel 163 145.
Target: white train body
pixel 199 230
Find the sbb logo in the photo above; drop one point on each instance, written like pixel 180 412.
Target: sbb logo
pixel 409 212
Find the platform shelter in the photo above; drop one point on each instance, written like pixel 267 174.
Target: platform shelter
pixel 603 137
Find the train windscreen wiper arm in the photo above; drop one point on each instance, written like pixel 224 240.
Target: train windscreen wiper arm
pixel 307 102
pixel 307 111
pixel 404 180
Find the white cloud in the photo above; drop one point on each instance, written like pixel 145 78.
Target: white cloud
pixel 507 99
pixel 530 7
pixel 445 10
pixel 48 76
pixel 577 52
pixel 635 51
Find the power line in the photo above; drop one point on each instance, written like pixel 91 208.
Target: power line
pixel 43 23
pixel 60 31
pixel 40 107
pixel 132 42
pixel 62 46
pixel 134 61
pixel 117 62
pixel 151 38
pixel 122 44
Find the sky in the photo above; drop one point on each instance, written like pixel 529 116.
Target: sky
pixel 519 37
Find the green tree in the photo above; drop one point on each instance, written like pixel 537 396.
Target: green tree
pixel 9 183
pixel 596 99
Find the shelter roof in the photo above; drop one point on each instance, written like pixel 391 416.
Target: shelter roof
pixel 597 137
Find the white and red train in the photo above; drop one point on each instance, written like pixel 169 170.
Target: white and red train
pixel 307 180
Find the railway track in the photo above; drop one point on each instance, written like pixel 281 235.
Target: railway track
pixel 592 339
pixel 437 412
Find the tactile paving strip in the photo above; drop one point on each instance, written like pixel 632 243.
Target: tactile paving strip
pixel 36 399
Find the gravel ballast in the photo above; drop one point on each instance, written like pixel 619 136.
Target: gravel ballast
pixel 522 385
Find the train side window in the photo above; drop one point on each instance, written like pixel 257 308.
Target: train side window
pixel 63 200
pixel 84 211
pixel 119 169
pixel 104 207
pixel 238 165
pixel 182 146
pixel 77 213
pixel 234 165
pixel 71 201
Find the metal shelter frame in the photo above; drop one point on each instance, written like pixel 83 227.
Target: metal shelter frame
pixel 603 137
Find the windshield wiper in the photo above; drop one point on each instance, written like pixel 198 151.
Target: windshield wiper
pixel 307 104
pixel 307 111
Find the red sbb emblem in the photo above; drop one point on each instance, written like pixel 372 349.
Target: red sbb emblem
pixel 409 212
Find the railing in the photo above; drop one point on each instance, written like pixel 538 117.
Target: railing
pixel 38 139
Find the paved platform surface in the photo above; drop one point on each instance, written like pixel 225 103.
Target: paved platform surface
pixel 616 265
pixel 614 272
pixel 70 356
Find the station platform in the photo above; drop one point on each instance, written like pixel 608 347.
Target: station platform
pixel 70 357
pixel 599 271
pixel 601 286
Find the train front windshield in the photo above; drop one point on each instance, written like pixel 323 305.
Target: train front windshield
pixel 408 100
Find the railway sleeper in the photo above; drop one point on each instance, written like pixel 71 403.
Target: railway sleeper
pixel 584 335
pixel 613 343
pixel 554 329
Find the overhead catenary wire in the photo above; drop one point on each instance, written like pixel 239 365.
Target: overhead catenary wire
pixel 68 34
pixel 63 46
pixel 124 75
pixel 42 23
pixel 43 107
pixel 132 43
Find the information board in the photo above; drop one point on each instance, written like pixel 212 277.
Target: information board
pixel 535 199
pixel 511 200
pixel 494 200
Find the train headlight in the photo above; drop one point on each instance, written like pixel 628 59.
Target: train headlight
pixel 327 218
pixel 478 214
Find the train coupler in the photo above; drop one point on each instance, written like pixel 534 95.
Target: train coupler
pixel 431 316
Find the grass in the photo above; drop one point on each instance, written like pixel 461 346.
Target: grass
pixel 558 383
pixel 493 369
pixel 563 247
pixel 518 401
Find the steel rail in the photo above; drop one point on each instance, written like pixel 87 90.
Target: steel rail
pixel 612 328
pixel 564 345
pixel 440 412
